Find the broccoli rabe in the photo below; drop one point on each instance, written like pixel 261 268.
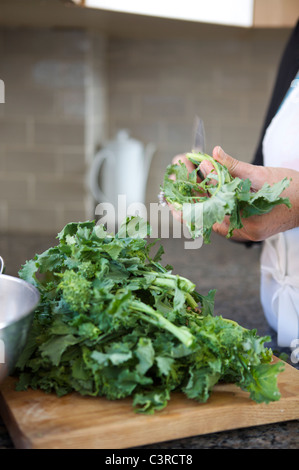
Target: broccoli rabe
pixel 219 194
pixel 76 290
pixel 113 321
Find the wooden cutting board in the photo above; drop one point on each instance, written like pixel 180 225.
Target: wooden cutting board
pixel 38 420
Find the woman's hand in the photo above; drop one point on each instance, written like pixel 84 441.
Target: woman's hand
pixel 259 227
pixel 256 227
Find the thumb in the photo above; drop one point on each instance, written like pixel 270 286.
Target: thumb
pixel 235 167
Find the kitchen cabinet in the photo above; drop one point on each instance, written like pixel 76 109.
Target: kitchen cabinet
pixel 275 13
pixel 180 20
pixel 243 13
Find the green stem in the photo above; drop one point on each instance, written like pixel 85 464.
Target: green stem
pixel 190 300
pixel 198 188
pixel 172 280
pixel 159 320
pixel 200 157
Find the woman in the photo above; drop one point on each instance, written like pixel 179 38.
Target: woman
pixel 277 157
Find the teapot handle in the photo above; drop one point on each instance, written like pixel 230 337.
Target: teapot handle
pixel 94 171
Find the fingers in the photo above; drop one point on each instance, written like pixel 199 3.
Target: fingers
pixel 177 215
pixel 238 234
pixel 235 167
pixel 238 169
pixel 206 168
pixel 182 157
pixel 231 163
pixel 222 228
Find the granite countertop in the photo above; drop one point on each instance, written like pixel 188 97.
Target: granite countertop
pixel 230 268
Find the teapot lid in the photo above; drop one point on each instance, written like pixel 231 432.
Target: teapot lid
pixel 123 138
pixel 122 134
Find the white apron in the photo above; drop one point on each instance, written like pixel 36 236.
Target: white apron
pixel 280 253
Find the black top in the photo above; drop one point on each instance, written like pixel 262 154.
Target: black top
pixel 287 71
pixel 288 68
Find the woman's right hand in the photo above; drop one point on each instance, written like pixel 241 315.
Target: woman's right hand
pixel 182 157
pixel 280 218
pixel 257 227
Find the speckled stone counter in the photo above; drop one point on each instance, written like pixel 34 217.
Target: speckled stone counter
pixel 231 269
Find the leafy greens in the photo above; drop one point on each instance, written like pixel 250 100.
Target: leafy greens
pixel 217 195
pixel 114 322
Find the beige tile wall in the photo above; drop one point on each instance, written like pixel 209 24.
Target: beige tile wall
pixel 157 86
pixel 66 91
pixel 44 145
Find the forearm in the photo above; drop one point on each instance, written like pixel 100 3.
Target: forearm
pixel 282 217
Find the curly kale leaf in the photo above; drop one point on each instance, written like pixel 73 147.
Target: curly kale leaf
pixel 219 195
pixel 114 322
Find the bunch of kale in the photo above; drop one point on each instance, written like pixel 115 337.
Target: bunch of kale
pixel 114 322
pixel 218 195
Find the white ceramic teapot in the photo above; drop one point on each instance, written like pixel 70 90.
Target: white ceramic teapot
pixel 127 163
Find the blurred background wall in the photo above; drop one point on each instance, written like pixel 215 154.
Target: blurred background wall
pixel 157 87
pixel 55 94
pixel 69 89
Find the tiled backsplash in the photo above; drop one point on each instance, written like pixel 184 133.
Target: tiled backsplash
pixel 44 144
pixel 157 87
pixel 66 91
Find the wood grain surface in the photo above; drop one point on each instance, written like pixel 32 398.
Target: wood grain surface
pixel 38 420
